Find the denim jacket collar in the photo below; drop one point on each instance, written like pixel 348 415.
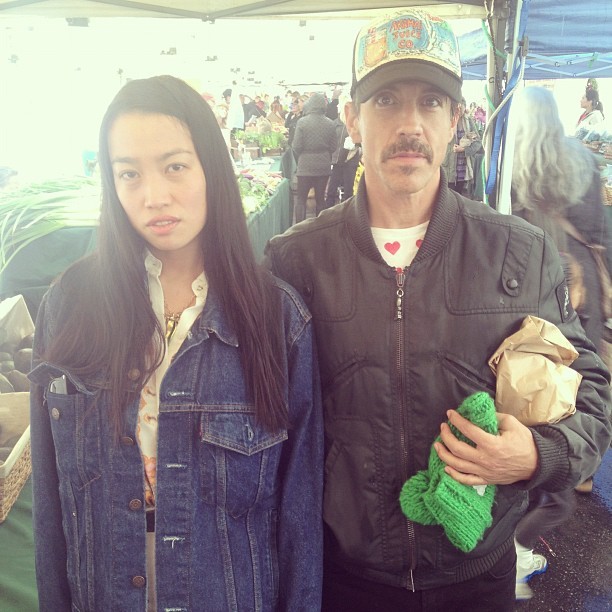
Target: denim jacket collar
pixel 213 320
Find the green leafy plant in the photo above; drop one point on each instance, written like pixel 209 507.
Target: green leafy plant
pixel 266 141
pixel 254 195
pixel 35 210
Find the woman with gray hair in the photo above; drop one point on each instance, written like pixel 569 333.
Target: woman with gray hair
pixel 555 180
pixel 556 186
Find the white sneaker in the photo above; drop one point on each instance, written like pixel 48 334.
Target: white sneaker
pixel 537 564
pixel 522 591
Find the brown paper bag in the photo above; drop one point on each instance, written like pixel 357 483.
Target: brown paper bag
pixel 534 382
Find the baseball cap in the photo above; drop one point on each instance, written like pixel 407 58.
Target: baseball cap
pixel 409 44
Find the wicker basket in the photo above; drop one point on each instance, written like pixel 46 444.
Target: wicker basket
pixel 14 473
pixel 606 194
pixel 15 323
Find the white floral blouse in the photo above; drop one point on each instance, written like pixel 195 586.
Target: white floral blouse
pixel 146 428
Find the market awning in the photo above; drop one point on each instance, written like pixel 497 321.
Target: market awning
pixel 222 9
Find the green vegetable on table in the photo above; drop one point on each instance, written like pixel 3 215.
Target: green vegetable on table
pixel 35 210
pixel 266 141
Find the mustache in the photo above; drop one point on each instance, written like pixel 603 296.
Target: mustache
pixel 408 145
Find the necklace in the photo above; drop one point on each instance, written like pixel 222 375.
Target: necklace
pixel 172 318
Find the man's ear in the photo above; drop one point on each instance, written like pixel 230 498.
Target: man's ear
pixel 352 121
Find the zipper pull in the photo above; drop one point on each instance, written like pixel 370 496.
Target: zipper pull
pixel 400 277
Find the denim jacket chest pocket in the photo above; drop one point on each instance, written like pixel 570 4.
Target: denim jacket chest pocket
pixel 239 462
pixel 75 421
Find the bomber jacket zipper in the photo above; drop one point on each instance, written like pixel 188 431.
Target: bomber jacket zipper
pixel 400 279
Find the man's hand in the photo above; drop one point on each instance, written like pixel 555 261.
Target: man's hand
pixel 506 458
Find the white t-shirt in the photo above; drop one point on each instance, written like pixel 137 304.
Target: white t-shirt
pixel 399 246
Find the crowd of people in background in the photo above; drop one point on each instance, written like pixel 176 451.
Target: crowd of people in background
pixel 333 171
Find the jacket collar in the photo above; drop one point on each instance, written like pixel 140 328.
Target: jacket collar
pixel 214 320
pixel 441 224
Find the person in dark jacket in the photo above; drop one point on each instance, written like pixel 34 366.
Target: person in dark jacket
pixel 555 181
pixel 338 160
pixel 461 153
pixel 333 108
pixel 291 120
pixel 555 177
pixel 313 145
pixel 251 111
pixel 344 165
pixel 412 288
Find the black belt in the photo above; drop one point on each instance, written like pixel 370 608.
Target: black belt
pixel 150 514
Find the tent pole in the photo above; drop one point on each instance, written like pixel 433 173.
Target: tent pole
pixel 495 70
pixel 504 183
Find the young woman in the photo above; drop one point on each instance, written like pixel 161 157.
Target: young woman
pixel 592 113
pixel 176 417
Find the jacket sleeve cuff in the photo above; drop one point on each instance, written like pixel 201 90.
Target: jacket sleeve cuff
pixel 553 459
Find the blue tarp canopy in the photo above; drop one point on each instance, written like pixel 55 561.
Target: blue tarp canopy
pixel 566 38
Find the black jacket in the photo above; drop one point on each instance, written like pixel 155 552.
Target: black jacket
pixel 315 139
pixel 388 381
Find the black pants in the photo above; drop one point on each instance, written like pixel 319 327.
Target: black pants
pixel 343 175
pixel 458 186
pixel 348 176
pixel 304 185
pixel 492 591
pixel 546 511
pixel 335 181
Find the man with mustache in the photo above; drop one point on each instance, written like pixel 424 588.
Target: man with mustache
pixel 412 287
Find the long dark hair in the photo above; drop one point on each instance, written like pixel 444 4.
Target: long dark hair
pixel 114 328
pixel 592 95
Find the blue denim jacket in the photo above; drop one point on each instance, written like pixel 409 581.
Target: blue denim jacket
pixel 238 509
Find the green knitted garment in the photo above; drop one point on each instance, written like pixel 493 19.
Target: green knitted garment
pixel 432 497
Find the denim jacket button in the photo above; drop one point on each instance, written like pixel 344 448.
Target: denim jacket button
pixel 138 581
pixel 133 374
pixel 55 413
pixel 127 441
pixel 135 504
pixel 512 283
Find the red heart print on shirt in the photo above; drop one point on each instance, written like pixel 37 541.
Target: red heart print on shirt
pixel 419 242
pixel 392 247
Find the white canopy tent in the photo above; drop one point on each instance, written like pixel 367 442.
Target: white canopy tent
pixel 495 12
pixel 221 9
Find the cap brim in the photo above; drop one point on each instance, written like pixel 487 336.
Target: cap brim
pixel 407 70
